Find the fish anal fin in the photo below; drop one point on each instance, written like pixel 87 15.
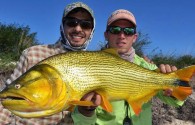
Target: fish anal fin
pixel 137 103
pixel 105 104
pixel 181 93
pixel 136 107
pixel 185 74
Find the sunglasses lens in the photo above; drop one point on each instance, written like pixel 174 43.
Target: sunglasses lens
pixel 115 30
pixel 86 24
pixel 73 22
pixel 129 31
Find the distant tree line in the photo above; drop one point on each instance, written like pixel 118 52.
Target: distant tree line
pixel 179 61
pixel 14 38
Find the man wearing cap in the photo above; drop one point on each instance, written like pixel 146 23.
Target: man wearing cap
pixel 121 34
pixel 76 30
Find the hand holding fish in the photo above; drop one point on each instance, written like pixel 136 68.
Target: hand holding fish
pixel 89 110
pixel 165 68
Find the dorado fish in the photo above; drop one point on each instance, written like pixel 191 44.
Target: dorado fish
pixel 59 82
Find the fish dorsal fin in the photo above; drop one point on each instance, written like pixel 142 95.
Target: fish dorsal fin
pixel 112 51
pixel 185 74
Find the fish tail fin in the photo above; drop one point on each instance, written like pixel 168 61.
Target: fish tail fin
pixel 185 74
pixel 181 93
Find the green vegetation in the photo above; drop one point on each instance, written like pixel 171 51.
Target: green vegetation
pixel 179 61
pixel 141 43
pixel 14 39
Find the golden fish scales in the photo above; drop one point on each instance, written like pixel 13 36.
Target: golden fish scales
pixel 103 71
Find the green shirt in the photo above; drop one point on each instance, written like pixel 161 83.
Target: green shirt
pixel 101 117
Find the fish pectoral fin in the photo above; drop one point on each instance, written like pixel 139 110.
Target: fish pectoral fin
pixel 181 92
pixel 81 103
pixel 71 108
pixel 136 104
pixel 105 104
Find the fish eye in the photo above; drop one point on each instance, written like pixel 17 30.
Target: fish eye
pixel 17 86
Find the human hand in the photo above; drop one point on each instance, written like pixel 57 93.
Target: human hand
pixel 168 92
pixel 89 110
pixel 165 68
pixel 148 60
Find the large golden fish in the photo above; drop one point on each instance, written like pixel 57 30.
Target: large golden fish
pixel 59 82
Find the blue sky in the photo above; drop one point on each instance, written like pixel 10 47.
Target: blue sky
pixel 170 24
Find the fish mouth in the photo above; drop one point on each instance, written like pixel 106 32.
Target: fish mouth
pixel 10 98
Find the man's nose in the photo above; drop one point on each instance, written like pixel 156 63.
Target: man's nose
pixel 78 28
pixel 122 34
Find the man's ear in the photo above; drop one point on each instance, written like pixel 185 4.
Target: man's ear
pixel 135 37
pixel 106 36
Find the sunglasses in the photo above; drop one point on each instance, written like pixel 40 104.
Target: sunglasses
pixel 73 22
pixel 117 30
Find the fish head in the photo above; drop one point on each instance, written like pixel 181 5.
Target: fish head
pixel 37 93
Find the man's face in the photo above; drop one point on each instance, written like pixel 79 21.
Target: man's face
pixel 76 33
pixel 121 41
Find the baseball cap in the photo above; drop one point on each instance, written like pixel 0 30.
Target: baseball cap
pixel 121 14
pixel 75 5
